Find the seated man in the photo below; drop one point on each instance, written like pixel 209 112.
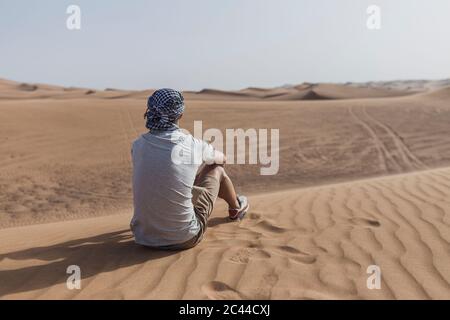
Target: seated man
pixel 176 179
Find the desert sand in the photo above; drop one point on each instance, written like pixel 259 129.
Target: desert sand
pixel 364 180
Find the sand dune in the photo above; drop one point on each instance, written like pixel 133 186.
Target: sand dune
pixel 13 90
pixel 440 94
pixel 65 159
pixel 70 158
pixel 304 92
pixel 406 85
pixel 313 243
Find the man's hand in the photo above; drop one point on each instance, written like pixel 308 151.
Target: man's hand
pixel 219 158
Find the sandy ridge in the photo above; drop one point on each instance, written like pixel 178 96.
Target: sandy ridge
pixel 313 243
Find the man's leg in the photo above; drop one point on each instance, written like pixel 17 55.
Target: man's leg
pixel 226 190
pixel 209 178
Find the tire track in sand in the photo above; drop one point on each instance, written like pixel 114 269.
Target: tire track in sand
pixel 398 156
pixel 409 158
pixel 383 154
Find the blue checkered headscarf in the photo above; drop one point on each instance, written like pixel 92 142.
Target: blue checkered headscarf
pixel 164 108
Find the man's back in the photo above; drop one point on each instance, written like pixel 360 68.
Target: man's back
pixel 162 187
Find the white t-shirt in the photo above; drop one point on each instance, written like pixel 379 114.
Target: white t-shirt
pixel 165 164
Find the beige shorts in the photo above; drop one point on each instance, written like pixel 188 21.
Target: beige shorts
pixel 204 195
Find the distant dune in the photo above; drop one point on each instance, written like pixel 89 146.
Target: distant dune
pixel 441 94
pixel 364 178
pixel 10 90
pixel 406 85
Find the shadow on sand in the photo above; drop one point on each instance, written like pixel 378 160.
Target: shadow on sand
pixel 94 255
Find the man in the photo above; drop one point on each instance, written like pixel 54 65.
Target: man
pixel 176 179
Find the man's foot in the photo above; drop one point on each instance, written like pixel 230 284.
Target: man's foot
pixel 240 212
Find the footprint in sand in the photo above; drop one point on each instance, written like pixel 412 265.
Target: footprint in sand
pixel 364 222
pixel 253 216
pixel 244 255
pixel 256 222
pixel 269 227
pixel 216 290
pixel 296 255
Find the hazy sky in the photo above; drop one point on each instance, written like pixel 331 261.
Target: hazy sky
pixel 227 44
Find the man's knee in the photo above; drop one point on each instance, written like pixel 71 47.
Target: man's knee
pixel 218 171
